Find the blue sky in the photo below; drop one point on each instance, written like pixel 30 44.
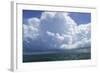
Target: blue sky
pixel 78 17
pixel 31 13
pixel 81 18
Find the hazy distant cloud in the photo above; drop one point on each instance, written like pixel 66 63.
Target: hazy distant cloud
pixel 58 30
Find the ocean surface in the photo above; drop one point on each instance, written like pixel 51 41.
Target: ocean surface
pixel 38 56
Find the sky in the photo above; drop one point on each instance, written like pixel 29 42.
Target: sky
pixel 45 30
pixel 80 18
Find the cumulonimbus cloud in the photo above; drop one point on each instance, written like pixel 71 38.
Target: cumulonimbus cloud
pixel 57 30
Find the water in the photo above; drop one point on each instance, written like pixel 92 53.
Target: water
pixel 56 56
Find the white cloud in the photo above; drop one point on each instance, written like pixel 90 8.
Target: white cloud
pixel 58 30
pixel 59 37
pixel 50 33
pixel 31 30
pixel 34 22
pixel 47 15
pixel 79 44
